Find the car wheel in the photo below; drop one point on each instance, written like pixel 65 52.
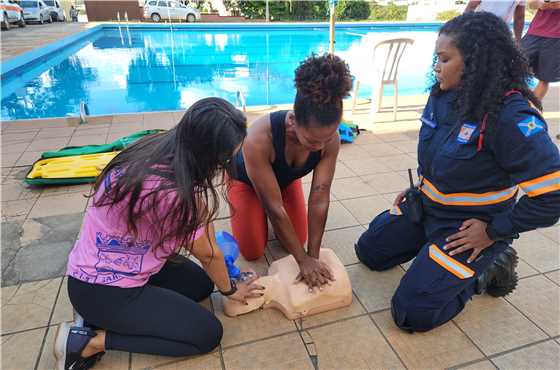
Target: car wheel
pixel 21 22
pixel 5 23
pixel 156 18
pixel 191 18
pixel 41 20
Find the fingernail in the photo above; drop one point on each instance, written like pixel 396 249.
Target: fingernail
pixel 469 261
pixel 446 239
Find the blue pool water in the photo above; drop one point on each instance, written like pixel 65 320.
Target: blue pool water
pixel 154 69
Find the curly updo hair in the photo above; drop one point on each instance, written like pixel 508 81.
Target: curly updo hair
pixel 322 82
pixel 494 65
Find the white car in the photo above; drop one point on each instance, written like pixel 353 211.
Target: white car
pixel 156 10
pixel 57 13
pixel 36 11
pixel 10 13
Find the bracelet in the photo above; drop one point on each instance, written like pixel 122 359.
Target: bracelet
pixel 232 290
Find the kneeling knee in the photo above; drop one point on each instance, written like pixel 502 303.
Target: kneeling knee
pixel 212 336
pixel 371 259
pixel 412 318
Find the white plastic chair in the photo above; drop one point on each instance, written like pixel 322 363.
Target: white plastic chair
pixel 396 48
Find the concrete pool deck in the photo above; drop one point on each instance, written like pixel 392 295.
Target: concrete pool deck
pixel 40 225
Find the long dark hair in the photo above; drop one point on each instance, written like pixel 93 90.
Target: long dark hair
pixel 187 159
pixel 322 82
pixel 494 65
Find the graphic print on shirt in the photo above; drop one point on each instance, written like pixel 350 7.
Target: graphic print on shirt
pixel 118 257
pixel 466 133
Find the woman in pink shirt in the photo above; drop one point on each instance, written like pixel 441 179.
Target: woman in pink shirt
pixel 125 276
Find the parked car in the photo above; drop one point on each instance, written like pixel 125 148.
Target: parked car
pixel 156 10
pixel 10 12
pixel 57 13
pixel 36 11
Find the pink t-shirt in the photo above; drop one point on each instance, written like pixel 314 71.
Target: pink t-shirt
pixel 107 254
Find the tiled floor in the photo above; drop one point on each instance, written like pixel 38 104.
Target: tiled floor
pixel 39 226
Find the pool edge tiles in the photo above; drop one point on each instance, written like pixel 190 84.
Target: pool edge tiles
pixel 15 65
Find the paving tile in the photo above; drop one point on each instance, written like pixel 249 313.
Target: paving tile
pixel 208 361
pixel 260 265
pixel 30 306
pixel 539 299
pixel 274 251
pixel 366 166
pixel 524 269
pixel 342 171
pixel 401 162
pixel 540 356
pixel 485 316
pixel 19 136
pixel 96 135
pixel 17 208
pixel 284 352
pixel 20 351
pixel 41 145
pixel 410 146
pixel 59 205
pixel 381 150
pixel 553 233
pixel 440 348
pixel 538 250
pixel 480 365
pixel 341 241
pixel 554 276
pixel 365 209
pixel 353 344
pixel 351 187
pixel 352 152
pixel 86 140
pixel 17 147
pixel 252 326
pixel 63 310
pixel 339 217
pixel 355 309
pixel 49 133
pixel 374 289
pixel 390 137
pixel 47 360
pixel 10 159
pixel 390 182
pixel 367 137
pixel 28 158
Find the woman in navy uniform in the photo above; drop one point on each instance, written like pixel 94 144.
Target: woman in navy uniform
pixel 480 142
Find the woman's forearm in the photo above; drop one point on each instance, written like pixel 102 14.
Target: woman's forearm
pixel 317 218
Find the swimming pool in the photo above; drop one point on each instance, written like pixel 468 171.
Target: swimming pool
pixel 145 68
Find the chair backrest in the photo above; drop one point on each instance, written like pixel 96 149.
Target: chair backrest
pixel 395 51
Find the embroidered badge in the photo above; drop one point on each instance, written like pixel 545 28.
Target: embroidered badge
pixel 466 133
pixel 530 126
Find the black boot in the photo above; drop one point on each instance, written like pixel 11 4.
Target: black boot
pixel 500 278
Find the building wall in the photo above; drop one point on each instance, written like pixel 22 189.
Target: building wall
pixel 104 10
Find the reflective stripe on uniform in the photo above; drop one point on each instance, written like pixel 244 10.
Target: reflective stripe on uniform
pixel 453 266
pixel 541 185
pixel 466 199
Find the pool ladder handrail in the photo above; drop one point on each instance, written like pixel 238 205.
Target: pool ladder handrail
pixel 241 101
pixel 84 112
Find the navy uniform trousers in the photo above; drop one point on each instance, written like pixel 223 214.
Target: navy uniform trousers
pixel 436 287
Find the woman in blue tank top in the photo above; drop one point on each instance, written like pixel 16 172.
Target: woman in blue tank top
pixel 281 148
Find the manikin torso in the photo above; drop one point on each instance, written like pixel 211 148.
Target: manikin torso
pixel 294 299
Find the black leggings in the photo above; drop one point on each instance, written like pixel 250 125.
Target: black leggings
pixel 160 318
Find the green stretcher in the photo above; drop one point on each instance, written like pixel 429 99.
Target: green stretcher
pixel 78 164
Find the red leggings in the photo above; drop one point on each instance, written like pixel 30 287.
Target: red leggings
pixel 249 222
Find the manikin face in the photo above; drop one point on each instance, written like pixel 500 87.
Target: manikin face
pixel 449 67
pixel 313 137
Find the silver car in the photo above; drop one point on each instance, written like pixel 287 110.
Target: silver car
pixel 36 11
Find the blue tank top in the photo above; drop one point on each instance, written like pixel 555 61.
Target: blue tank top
pixel 285 174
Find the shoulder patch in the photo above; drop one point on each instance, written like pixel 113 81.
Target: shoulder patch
pixel 530 126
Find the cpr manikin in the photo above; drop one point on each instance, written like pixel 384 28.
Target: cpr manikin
pixel 295 300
